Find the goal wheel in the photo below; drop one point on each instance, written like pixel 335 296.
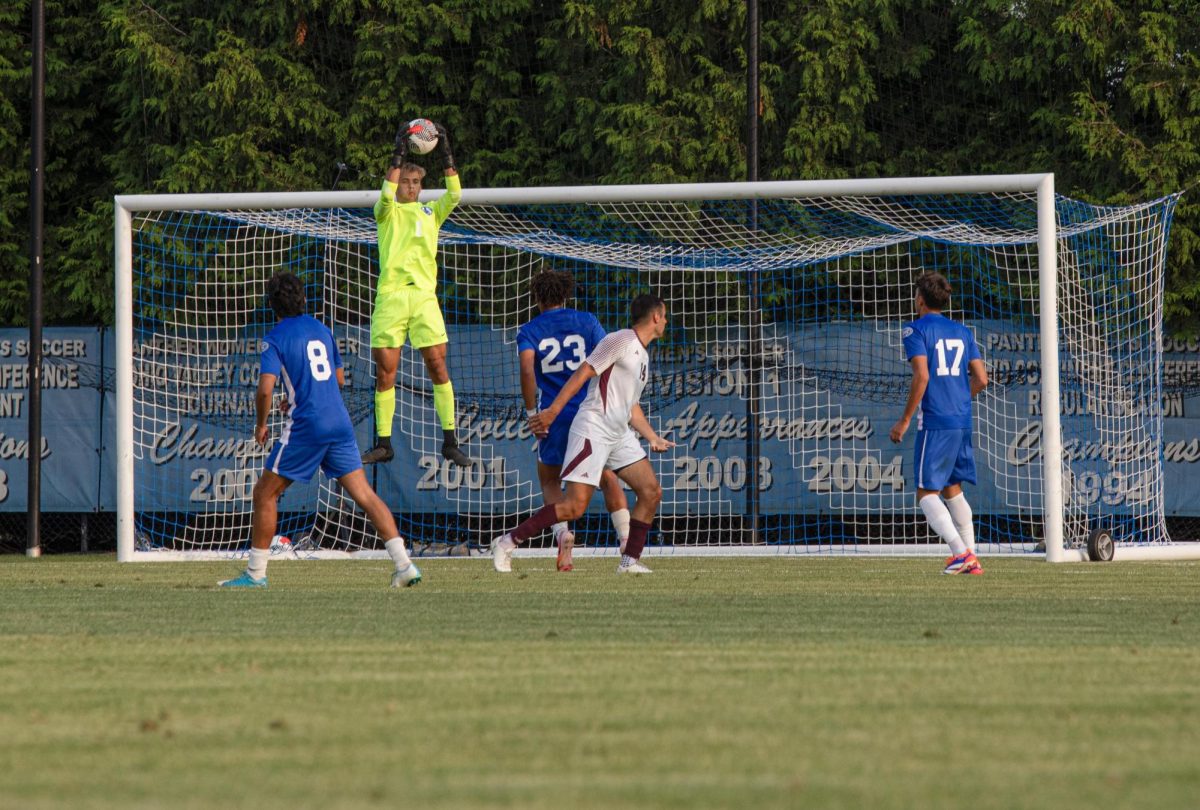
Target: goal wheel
pixel 1100 546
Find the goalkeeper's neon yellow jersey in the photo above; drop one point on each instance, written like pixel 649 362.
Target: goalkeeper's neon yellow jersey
pixel 408 237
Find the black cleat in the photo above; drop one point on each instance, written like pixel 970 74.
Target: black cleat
pixel 377 454
pixel 452 453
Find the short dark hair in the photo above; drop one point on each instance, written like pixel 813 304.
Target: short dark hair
pixel 552 288
pixel 934 290
pixel 644 306
pixel 285 293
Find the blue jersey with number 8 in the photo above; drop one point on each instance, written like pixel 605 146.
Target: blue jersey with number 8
pixel 301 352
pixel 561 339
pixel 948 348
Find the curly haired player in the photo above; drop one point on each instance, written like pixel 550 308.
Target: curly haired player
pixel 602 436
pixel 551 347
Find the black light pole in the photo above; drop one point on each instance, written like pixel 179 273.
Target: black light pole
pixel 752 93
pixel 753 364
pixel 37 161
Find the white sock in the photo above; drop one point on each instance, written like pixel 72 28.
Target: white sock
pixel 941 522
pixel 559 528
pixel 257 565
pixel 960 510
pixel 620 522
pixel 398 553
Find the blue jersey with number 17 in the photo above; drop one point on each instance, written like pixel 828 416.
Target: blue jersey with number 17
pixel 948 347
pixel 561 339
pixel 301 352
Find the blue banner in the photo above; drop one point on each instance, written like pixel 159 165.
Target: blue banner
pixel 77 471
pixel 196 452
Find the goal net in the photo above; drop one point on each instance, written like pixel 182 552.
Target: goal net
pixel 779 377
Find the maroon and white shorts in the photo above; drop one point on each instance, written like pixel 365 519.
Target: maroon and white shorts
pixel 588 456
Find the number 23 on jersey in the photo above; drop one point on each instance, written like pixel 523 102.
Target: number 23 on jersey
pixel 554 359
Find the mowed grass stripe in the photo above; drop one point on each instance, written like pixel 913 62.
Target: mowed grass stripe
pixel 712 683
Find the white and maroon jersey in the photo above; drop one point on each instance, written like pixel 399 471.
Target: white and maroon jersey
pixel 622 367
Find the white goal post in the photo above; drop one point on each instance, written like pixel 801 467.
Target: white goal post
pixel 782 361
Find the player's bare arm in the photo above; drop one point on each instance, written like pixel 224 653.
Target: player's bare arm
pixel 639 422
pixel 528 379
pixel 262 406
pixel 529 392
pixel 916 390
pixel 540 423
pixel 979 376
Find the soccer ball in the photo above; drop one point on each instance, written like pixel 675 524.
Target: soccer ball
pixel 424 139
pixel 281 544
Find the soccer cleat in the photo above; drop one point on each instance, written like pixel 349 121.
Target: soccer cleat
pixel 378 453
pixel 566 543
pixel 452 453
pixel 634 567
pixel 244 581
pixel 406 577
pixel 961 564
pixel 502 551
pixel 973 568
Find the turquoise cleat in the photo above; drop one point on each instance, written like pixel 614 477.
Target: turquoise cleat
pixel 406 577
pixel 244 581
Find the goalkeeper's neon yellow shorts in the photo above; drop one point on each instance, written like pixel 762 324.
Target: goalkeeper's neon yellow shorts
pixel 407 313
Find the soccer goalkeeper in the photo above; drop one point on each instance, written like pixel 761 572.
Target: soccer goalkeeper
pixel 406 304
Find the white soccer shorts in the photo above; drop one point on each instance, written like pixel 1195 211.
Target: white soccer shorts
pixel 586 457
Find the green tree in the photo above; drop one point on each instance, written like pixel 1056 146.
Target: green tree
pixel 214 95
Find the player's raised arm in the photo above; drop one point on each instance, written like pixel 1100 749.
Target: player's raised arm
pixel 446 203
pixel 639 422
pixel 444 146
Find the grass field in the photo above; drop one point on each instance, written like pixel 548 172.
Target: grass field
pixel 756 683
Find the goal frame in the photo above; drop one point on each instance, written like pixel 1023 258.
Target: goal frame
pixel 1041 183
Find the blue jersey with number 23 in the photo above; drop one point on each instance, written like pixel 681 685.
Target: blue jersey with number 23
pixel 561 339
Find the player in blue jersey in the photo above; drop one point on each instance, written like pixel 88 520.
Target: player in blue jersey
pixel 947 372
pixel 552 346
pixel 317 432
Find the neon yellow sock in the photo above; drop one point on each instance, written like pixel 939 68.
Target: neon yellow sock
pixel 385 409
pixel 443 403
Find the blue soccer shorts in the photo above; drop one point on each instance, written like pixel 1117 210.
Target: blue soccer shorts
pixel 297 459
pixel 553 449
pixel 944 457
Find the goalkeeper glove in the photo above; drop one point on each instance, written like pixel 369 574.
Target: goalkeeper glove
pixel 400 148
pixel 444 142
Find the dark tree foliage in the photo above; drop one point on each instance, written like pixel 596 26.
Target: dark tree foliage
pixel 212 95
